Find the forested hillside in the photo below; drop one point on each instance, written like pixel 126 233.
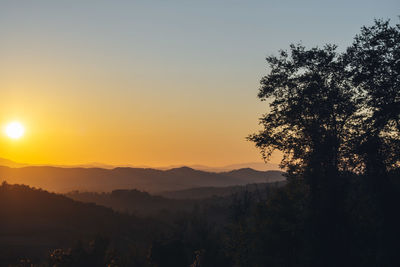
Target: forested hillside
pixel 35 222
pixel 208 192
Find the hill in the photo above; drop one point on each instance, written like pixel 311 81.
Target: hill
pixel 35 221
pixel 261 166
pixel 11 164
pixel 209 192
pixel 57 179
pixel 254 175
pixel 143 204
pixel 133 201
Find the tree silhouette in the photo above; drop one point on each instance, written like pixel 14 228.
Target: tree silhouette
pixel 336 118
pixel 310 110
pixel 374 66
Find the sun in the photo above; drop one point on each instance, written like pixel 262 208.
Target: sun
pixel 15 130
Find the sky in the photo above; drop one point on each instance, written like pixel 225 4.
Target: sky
pixel 152 83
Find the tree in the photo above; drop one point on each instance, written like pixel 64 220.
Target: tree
pixel 310 110
pixel 311 117
pixel 336 118
pixel 374 67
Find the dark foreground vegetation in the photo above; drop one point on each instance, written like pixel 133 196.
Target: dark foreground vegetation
pixel 47 229
pixel 336 118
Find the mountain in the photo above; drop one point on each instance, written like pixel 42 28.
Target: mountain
pixel 12 164
pixel 261 166
pixel 211 192
pixel 58 179
pixel 256 176
pixel 133 201
pixel 144 204
pixel 34 221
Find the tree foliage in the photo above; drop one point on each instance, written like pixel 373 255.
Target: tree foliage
pixel 373 63
pixel 331 111
pixel 311 109
pixel 336 118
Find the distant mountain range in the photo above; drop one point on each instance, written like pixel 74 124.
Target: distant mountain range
pixel 58 179
pixel 260 166
pixel 12 164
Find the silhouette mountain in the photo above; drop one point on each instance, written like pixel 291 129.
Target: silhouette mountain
pixel 209 192
pixel 11 164
pixel 144 204
pixel 34 221
pixel 133 201
pixel 256 176
pixel 64 180
pixel 261 166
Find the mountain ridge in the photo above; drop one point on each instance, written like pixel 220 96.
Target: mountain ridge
pixel 58 179
pixel 260 166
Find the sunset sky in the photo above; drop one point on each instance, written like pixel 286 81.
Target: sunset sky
pixel 152 82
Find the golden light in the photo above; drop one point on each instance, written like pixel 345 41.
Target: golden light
pixel 14 130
